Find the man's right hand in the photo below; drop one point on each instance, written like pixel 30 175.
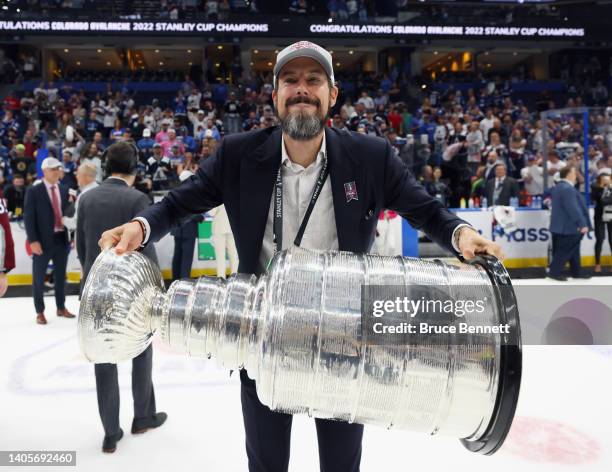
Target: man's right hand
pixel 127 237
pixel 36 248
pixel 584 230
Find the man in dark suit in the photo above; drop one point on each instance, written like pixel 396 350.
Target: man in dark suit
pixel 502 188
pixel 294 160
pixel 569 222
pixel 106 206
pixel 45 204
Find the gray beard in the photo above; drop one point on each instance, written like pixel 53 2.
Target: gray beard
pixel 302 127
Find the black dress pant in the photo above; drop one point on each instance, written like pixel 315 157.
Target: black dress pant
pixel 182 258
pixel 107 387
pixel 268 437
pixel 58 253
pixel 566 248
pixel 600 235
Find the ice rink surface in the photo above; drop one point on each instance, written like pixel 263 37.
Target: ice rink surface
pixel 48 401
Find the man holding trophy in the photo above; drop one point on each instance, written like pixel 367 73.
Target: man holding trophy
pixel 306 185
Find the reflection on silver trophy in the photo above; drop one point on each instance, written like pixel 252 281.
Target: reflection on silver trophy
pixel 297 330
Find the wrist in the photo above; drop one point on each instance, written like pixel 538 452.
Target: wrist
pixel 143 230
pixel 459 232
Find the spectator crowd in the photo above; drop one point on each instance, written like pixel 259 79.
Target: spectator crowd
pixel 453 141
pixel 481 147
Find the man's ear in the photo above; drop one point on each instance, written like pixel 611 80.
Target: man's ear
pixel 275 98
pixel 333 96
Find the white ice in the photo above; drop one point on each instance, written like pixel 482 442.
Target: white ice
pixel 48 401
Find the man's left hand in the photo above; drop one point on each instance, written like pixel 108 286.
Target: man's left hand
pixel 471 244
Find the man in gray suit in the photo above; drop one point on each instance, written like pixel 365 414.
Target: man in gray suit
pixel 111 204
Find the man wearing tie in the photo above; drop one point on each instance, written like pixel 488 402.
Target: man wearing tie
pixel 45 205
pixel 569 222
pixel 502 188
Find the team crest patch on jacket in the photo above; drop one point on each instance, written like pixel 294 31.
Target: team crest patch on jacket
pixel 350 191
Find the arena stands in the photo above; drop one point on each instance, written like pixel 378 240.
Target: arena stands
pixel 451 125
pixel 481 113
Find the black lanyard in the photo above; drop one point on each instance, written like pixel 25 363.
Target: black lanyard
pixel 278 207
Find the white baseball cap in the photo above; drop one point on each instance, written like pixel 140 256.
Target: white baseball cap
pixel 304 49
pixel 51 163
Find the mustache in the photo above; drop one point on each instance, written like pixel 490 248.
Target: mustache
pixel 303 99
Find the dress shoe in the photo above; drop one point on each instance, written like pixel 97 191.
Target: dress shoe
pixel 560 278
pixel 40 318
pixel 63 312
pixel 110 442
pixel 143 425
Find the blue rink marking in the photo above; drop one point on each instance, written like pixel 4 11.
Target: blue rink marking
pixel 18 378
pixel 605 351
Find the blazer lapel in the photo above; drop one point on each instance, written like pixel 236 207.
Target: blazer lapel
pixel 45 194
pixel 257 175
pixel 348 192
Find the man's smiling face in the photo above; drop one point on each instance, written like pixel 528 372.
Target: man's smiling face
pixel 303 98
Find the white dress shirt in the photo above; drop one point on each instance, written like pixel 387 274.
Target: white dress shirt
pixel 298 185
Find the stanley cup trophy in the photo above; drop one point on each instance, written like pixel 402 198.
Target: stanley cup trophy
pixel 298 330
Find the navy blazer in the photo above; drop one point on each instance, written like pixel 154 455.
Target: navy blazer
pixel 241 175
pixel 569 210
pixel 38 214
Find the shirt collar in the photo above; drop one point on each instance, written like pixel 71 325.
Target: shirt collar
pixel 322 154
pixel 89 186
pixel 119 178
pixel 48 184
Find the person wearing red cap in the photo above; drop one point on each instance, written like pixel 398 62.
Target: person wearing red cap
pixel 303 184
